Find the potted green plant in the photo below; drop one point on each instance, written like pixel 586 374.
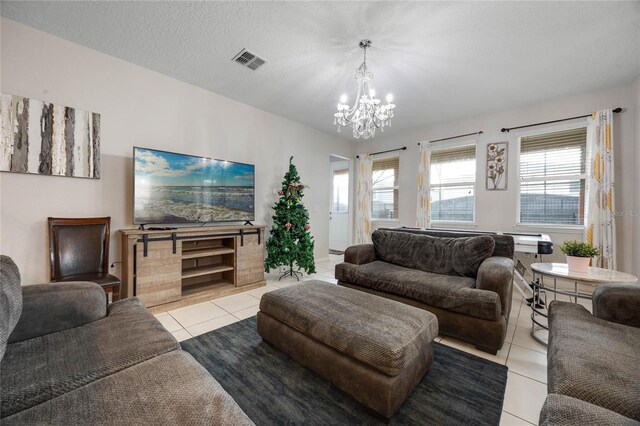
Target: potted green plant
pixel 579 254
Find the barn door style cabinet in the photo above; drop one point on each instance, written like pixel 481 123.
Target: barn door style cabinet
pixel 175 268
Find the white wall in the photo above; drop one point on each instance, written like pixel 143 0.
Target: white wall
pixel 496 210
pixel 142 108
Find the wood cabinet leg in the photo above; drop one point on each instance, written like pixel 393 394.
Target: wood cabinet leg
pixel 116 293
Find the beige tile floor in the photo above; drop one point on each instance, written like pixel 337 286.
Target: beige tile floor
pixel 526 359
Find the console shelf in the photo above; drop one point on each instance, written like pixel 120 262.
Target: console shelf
pixel 208 286
pixel 173 268
pixel 192 254
pixel 196 272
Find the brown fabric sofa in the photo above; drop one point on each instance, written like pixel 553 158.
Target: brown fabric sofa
pixel 67 359
pixel 593 360
pixel 465 281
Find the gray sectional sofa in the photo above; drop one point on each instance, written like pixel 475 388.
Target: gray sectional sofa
pixel 464 279
pixel 67 359
pixel 594 360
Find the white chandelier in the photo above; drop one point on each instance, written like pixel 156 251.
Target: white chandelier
pixel 367 114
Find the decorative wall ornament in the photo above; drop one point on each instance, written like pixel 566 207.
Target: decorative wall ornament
pixel 48 139
pixel 497 155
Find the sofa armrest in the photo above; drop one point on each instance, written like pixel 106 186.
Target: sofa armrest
pixel 567 411
pixel 360 254
pixel 617 303
pixel 49 308
pixel 124 305
pixel 496 274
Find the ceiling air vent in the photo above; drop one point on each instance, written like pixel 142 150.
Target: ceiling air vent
pixel 249 60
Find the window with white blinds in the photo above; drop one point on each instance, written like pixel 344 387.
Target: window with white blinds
pixel 384 198
pixel 452 183
pixel 552 177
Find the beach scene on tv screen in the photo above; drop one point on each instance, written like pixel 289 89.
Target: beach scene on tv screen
pixel 171 188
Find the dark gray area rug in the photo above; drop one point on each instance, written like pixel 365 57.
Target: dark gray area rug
pixel 272 389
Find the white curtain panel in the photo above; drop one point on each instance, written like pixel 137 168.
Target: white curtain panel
pixel 600 229
pixel 363 207
pixel 423 213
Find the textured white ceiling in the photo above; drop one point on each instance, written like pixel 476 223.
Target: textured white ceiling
pixel 441 60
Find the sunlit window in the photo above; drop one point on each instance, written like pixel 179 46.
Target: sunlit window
pixel 384 198
pixel 552 178
pixel 452 183
pixel 340 191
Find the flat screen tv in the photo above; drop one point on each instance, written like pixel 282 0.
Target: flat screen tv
pixel 174 188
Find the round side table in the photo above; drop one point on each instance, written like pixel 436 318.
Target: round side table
pixel 593 277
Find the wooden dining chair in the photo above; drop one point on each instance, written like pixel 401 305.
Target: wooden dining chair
pixel 79 251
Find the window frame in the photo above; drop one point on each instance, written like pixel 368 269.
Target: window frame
pixel 448 145
pixel 585 175
pixel 395 188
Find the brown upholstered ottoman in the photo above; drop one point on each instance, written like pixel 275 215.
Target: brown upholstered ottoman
pixel 374 349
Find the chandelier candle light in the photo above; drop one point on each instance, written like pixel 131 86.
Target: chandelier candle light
pixel 367 114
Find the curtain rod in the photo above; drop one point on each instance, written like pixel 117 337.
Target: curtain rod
pixel 384 152
pixel 507 129
pixel 479 132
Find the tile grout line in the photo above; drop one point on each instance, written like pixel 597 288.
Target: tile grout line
pixel 527 377
pixel 182 329
pixel 233 316
pixel 512 338
pixel 518 417
pixel 176 320
pixel 210 319
pixel 532 350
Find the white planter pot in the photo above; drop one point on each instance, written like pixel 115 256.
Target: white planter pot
pixel 578 264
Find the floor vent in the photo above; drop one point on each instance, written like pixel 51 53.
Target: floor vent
pixel 249 60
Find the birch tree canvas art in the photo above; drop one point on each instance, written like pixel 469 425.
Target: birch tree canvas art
pixel 48 139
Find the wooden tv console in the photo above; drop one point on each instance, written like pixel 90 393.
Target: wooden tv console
pixel 175 268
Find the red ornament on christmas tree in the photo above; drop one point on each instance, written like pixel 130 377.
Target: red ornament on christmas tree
pixel 288 225
pixel 307 227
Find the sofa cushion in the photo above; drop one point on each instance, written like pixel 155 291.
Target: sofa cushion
pixel 383 334
pixel 594 360
pixel 562 410
pixel 505 246
pixel 38 369
pixel 447 256
pixel 449 292
pixel 10 300
pixel 170 389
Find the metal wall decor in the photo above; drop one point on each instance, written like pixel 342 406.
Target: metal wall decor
pixel 48 139
pixel 497 155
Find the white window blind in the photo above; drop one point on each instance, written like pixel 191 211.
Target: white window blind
pixel 452 183
pixel 384 198
pixel 552 178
